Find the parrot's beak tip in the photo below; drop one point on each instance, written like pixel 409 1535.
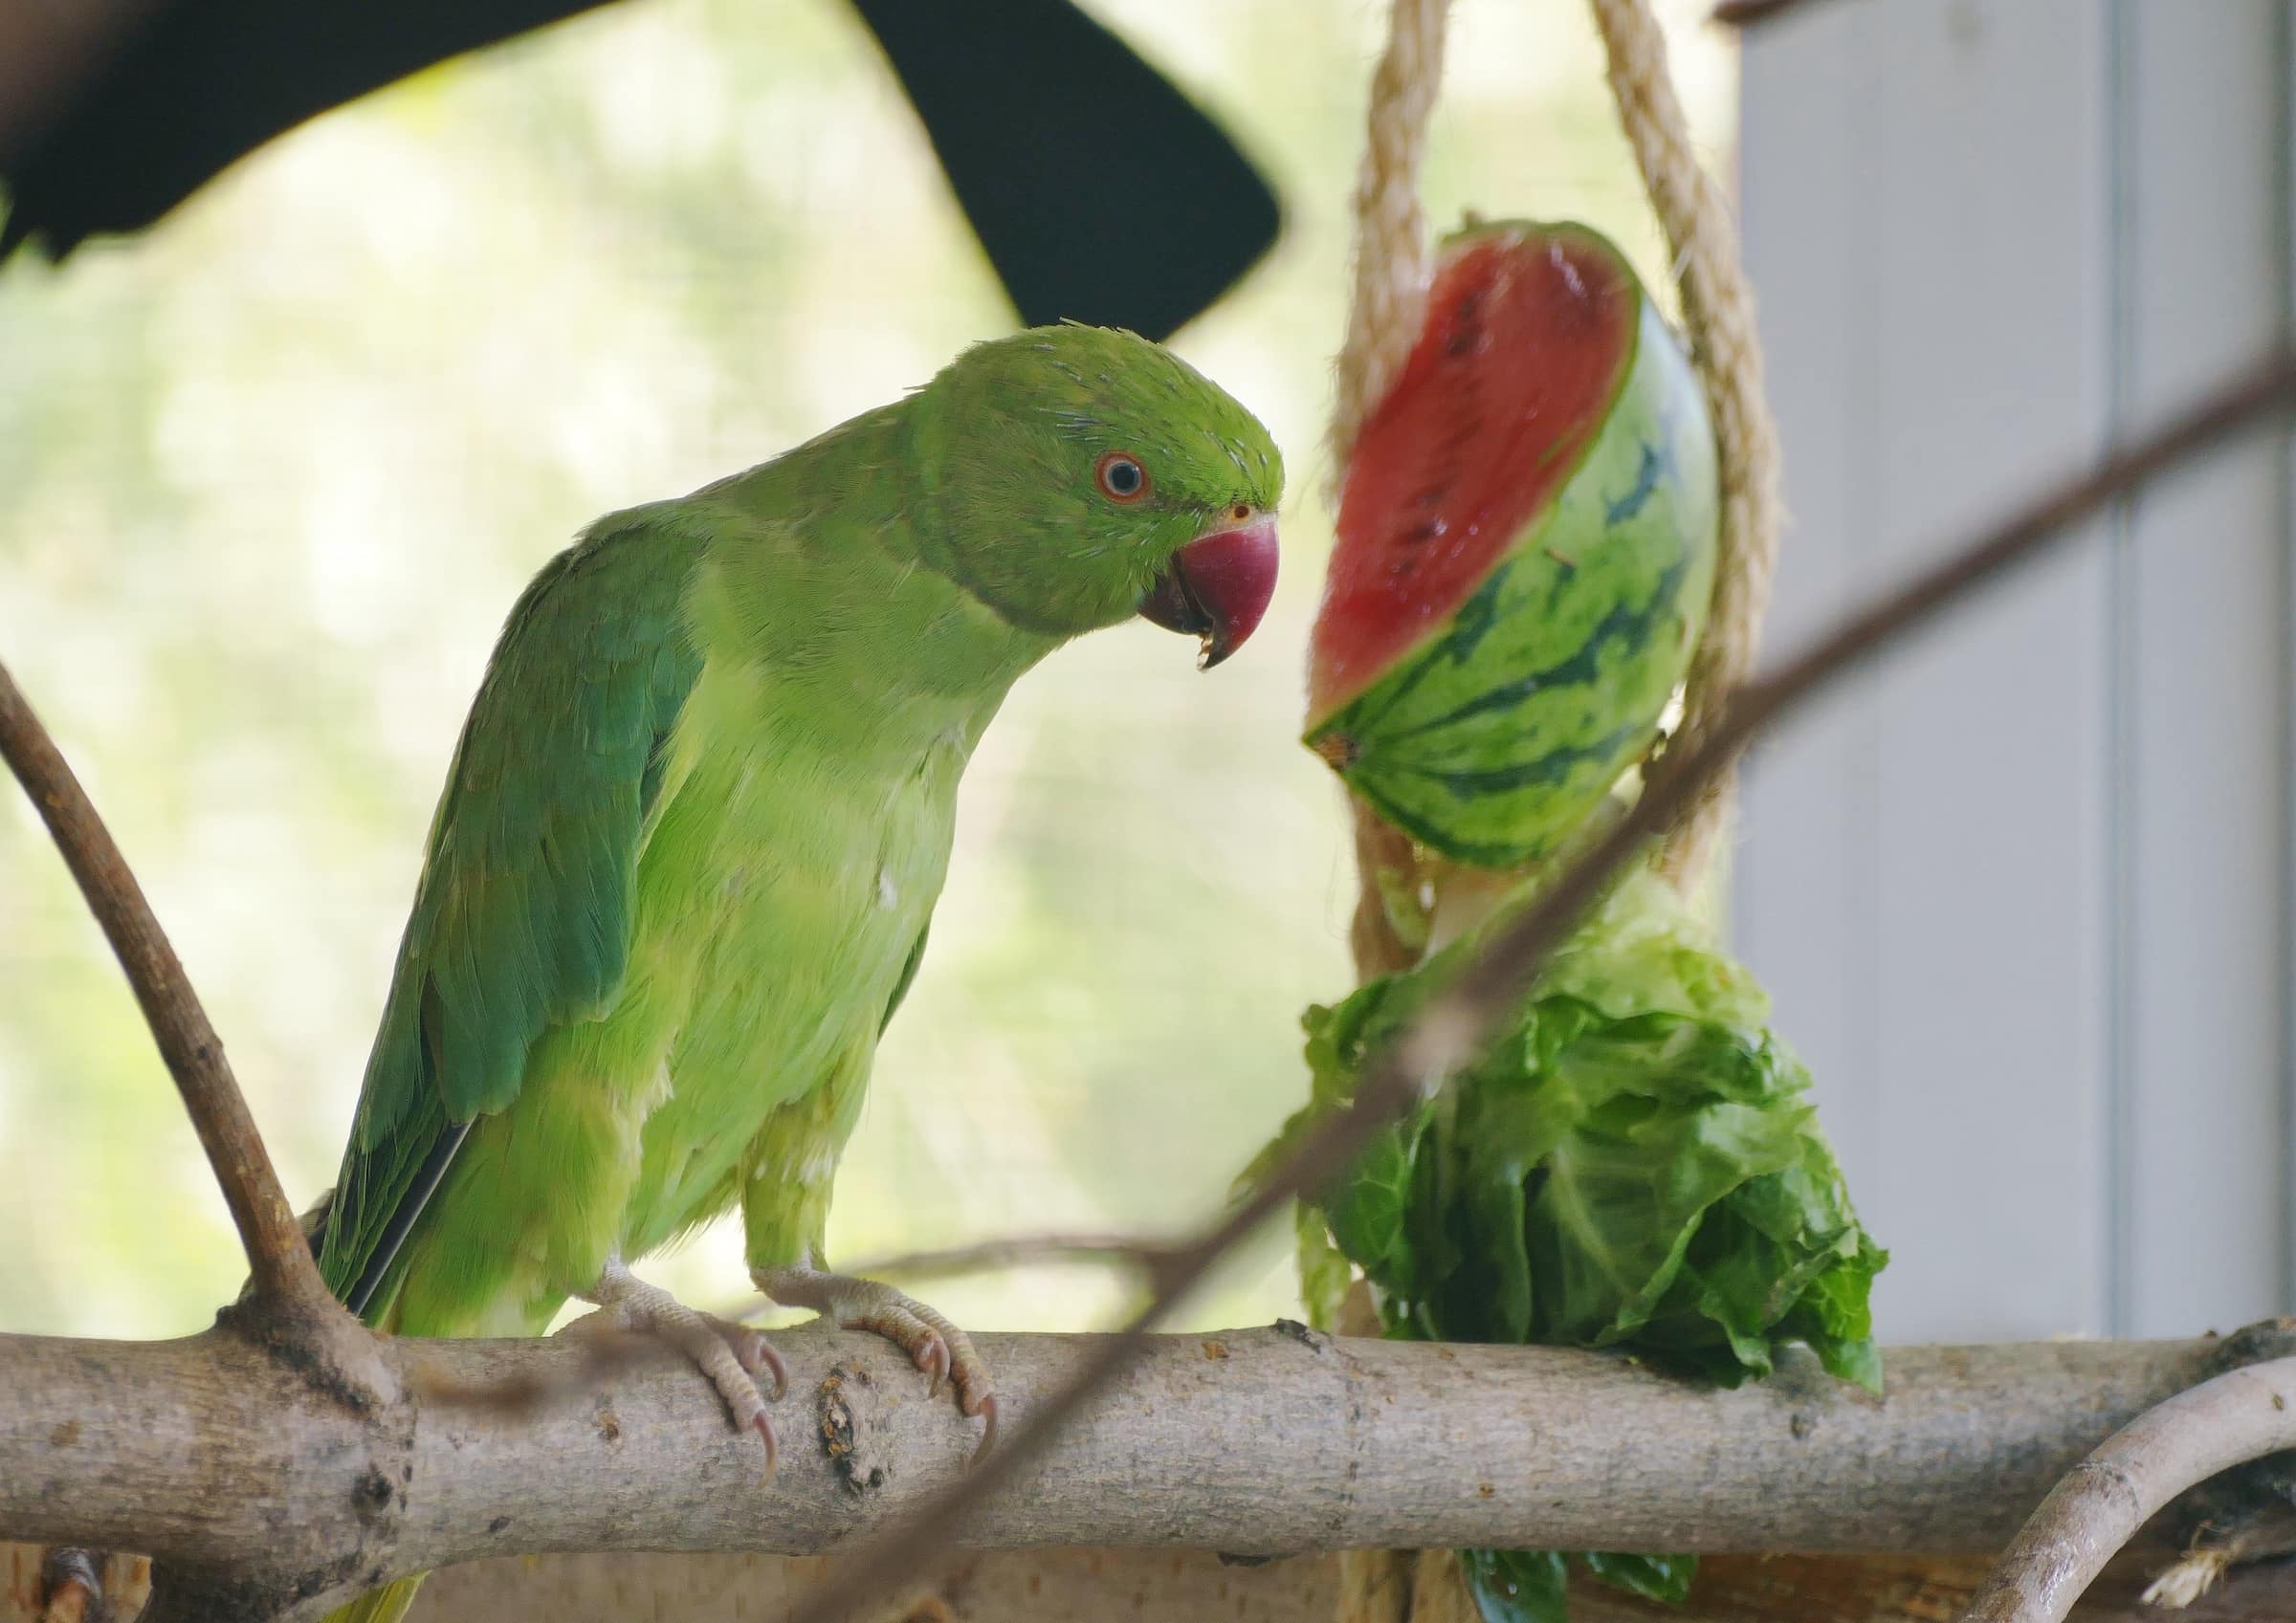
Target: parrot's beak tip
pixel 1217 587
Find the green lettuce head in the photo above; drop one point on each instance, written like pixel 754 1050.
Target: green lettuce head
pixel 1634 1163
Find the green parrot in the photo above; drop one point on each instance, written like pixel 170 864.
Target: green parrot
pixel 682 869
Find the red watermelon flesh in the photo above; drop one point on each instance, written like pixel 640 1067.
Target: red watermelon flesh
pixel 1529 332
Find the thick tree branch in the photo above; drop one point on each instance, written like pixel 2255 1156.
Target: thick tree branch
pixel 2100 1505
pixel 1455 1024
pixel 278 1257
pixel 205 1454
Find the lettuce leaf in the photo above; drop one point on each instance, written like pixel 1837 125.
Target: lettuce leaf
pixel 1634 1163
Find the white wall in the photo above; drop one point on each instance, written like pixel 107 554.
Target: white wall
pixel 2025 894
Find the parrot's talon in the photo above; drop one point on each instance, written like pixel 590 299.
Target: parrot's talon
pixel 754 1352
pixel 938 1347
pixel 772 1360
pixel 727 1354
pixel 932 1358
pixel 986 1405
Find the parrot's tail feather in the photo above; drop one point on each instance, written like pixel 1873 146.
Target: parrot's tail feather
pixel 385 1605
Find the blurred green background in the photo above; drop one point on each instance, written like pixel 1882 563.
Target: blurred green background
pixel 271 477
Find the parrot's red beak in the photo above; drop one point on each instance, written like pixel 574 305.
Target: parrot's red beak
pixel 1217 588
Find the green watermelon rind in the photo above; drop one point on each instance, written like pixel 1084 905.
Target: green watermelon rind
pixel 1494 738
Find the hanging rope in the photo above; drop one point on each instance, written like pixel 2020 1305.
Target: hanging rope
pixel 1391 267
pixel 1390 292
pixel 1391 261
pixel 1391 232
pixel 1717 313
pixel 1385 311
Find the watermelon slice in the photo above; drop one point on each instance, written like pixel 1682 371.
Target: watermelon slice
pixel 1526 546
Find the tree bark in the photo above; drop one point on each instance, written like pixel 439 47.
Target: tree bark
pixel 210 1457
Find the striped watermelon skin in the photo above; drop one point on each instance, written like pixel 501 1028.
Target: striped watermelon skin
pixel 1501 731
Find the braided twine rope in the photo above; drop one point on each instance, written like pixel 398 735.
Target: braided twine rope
pixel 1390 274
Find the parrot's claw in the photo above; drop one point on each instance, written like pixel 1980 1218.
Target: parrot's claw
pixel 933 1344
pixel 731 1355
pixel 988 1428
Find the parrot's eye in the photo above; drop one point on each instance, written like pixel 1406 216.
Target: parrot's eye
pixel 1121 476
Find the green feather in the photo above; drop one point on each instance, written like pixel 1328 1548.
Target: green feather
pixel 522 916
pixel 901 989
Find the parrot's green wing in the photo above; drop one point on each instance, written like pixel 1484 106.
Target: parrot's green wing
pixel 522 917
pixel 900 987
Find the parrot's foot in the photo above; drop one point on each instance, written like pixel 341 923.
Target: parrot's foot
pixel 937 1346
pixel 732 1355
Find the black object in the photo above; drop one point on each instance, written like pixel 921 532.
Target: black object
pixel 1099 192
pixel 199 84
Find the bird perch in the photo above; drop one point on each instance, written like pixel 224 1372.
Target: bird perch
pixel 205 1455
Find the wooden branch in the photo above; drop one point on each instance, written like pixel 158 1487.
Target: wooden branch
pixel 2098 1507
pixel 278 1256
pixel 210 1457
pixel 1746 13
pixel 1017 1251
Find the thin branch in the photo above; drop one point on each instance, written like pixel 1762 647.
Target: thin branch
pixel 600 1358
pixel 2103 1502
pixel 1746 13
pixel 988 1256
pixel 1020 1251
pixel 1456 1023
pixel 278 1256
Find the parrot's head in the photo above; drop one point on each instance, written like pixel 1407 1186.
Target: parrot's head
pixel 1085 475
